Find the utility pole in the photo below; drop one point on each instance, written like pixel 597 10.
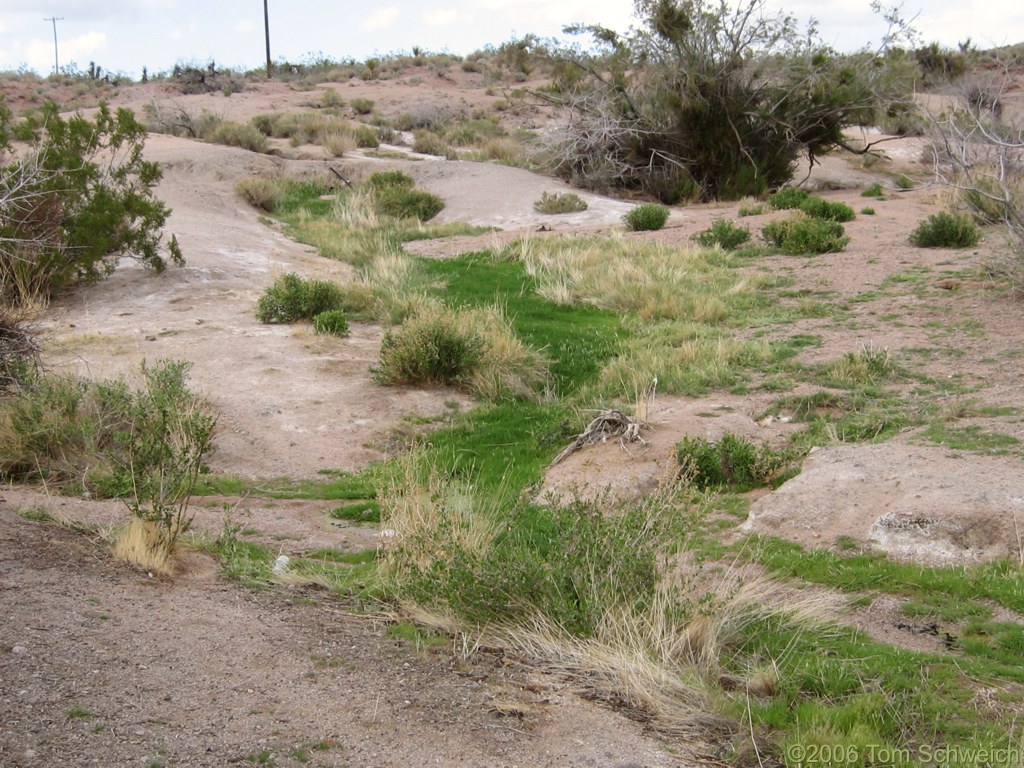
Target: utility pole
pixel 54 20
pixel 266 27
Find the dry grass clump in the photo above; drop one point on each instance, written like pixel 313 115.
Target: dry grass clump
pixel 473 348
pixel 265 193
pixel 652 280
pixel 146 544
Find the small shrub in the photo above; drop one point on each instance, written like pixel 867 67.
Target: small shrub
pixel 559 202
pixel 407 203
pixel 261 192
pixel 724 234
pixel 365 137
pixel 331 99
pixel 429 143
pixel 645 218
pixel 333 322
pixel 428 349
pixel 904 182
pixel 339 143
pixel 804 234
pixel 867 211
pixel 823 209
pixel 946 230
pixel 732 462
pixel 293 298
pixel 390 179
pixel 875 190
pixel 241 135
pixel 788 197
pixel 755 209
pixel 362 106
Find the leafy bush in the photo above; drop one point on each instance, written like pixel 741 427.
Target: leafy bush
pixel 365 137
pixel 644 218
pixel 559 202
pixel 104 438
pixel 867 211
pixel 904 182
pixel 362 106
pixel 754 209
pixel 79 198
pixel 732 462
pixel 788 197
pixel 823 209
pixel 331 321
pixel 404 203
pixel 946 230
pixel 293 298
pixel 805 234
pixel 724 234
pixel 875 190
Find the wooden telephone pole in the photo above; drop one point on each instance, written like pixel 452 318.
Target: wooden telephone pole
pixel 53 20
pixel 266 27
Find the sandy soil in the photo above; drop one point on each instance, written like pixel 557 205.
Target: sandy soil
pixel 282 670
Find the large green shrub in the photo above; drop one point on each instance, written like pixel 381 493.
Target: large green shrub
pixel 79 198
pixel 805 234
pixel 788 197
pixel 724 97
pixel 946 230
pixel 293 298
pixel 644 218
pixel 823 209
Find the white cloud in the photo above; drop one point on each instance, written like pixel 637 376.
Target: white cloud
pixel 441 17
pixel 80 49
pixel 245 26
pixel 382 18
pixel 180 33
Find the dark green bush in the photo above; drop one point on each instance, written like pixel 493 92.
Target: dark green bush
pixel 724 234
pixel 946 230
pixel 404 203
pixel 390 179
pixel 823 209
pixel 331 321
pixel 293 298
pixel 805 234
pixel 788 197
pixel 732 462
pixel 431 349
pixel 875 190
pixel 646 217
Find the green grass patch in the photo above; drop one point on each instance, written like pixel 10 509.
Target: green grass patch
pixel 578 339
pixel 972 438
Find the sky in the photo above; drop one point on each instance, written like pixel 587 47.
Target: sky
pixel 126 35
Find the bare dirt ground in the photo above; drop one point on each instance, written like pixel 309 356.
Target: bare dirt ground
pixel 102 665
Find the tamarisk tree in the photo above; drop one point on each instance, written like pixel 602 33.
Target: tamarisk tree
pixel 706 100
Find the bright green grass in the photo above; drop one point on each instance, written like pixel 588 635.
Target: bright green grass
pixel 502 448
pixel 1001 581
pixel 578 339
pixel 972 438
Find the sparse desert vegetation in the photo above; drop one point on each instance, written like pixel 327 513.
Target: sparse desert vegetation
pixel 372 431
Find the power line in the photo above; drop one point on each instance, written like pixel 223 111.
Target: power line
pixel 54 20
